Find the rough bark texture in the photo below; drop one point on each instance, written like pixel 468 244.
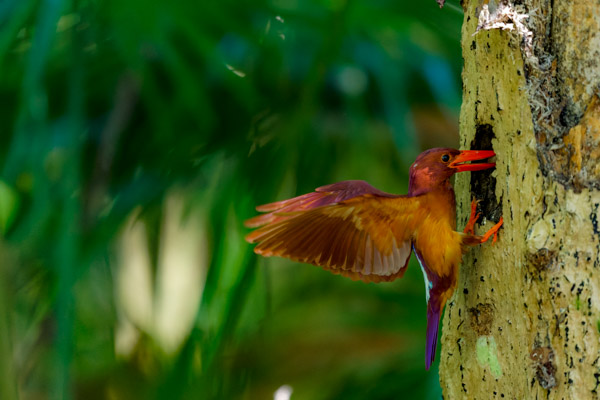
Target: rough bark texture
pixel 524 322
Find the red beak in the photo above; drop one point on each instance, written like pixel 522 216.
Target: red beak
pixel 472 155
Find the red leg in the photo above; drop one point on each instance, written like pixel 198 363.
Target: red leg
pixel 493 231
pixel 470 227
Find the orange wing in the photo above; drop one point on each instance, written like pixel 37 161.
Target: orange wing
pixel 322 196
pixel 367 237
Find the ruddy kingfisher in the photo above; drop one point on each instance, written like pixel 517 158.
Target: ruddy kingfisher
pixel 355 230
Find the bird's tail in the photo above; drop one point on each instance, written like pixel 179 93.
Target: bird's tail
pixel 433 321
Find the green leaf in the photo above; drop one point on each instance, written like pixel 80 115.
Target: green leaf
pixel 9 206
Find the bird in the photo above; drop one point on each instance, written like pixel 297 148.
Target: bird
pixel 352 229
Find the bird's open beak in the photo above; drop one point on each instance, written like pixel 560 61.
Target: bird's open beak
pixel 472 155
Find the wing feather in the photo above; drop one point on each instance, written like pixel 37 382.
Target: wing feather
pixel 368 256
pixel 359 251
pixel 322 196
pixel 366 237
pixel 377 264
pixel 348 260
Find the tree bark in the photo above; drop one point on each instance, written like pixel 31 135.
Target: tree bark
pixel 524 322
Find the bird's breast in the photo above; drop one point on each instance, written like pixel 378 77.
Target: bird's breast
pixel 438 245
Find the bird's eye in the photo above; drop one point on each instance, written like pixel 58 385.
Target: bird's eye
pixel 445 158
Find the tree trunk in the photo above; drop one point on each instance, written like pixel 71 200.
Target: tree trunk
pixel 524 322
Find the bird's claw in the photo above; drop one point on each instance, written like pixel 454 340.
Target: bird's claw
pixel 493 231
pixel 470 226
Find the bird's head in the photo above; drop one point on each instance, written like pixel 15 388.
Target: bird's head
pixel 434 167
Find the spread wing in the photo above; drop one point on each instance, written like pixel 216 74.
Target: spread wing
pixel 366 237
pixel 322 196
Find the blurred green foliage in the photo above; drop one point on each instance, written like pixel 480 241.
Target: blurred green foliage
pixel 112 108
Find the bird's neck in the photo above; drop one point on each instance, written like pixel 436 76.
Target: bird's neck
pixel 417 187
pixel 441 199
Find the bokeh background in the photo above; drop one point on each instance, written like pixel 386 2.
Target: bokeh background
pixel 137 136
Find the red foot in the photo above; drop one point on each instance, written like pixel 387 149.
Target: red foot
pixel 470 227
pixel 493 231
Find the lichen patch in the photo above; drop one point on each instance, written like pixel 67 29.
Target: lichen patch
pixel 506 17
pixel 487 355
